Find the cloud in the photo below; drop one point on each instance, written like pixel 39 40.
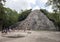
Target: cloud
pixel 49 9
pixel 36 7
pixel 43 1
pixel 17 4
pixel 25 4
pixel 31 1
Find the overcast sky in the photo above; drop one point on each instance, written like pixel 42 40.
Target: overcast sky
pixel 26 4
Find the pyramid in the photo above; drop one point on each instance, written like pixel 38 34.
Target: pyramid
pixel 36 20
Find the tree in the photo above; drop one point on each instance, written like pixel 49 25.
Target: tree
pixel 2 12
pixel 10 18
pixel 24 14
pixel 44 11
pixel 56 9
pixel 55 4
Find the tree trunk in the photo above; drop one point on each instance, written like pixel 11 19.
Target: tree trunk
pixel 1 24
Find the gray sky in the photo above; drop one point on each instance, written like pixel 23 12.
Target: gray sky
pixel 27 4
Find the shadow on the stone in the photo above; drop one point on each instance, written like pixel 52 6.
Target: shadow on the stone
pixel 29 32
pixel 15 36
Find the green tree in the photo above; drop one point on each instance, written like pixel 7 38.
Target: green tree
pixel 11 17
pixel 24 14
pixel 2 12
pixel 55 4
pixel 44 11
pixel 56 9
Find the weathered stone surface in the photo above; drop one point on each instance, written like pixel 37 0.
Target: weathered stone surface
pixel 37 21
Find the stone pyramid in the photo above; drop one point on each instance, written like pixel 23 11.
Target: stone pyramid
pixel 36 20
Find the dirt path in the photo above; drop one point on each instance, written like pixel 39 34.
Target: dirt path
pixel 34 36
